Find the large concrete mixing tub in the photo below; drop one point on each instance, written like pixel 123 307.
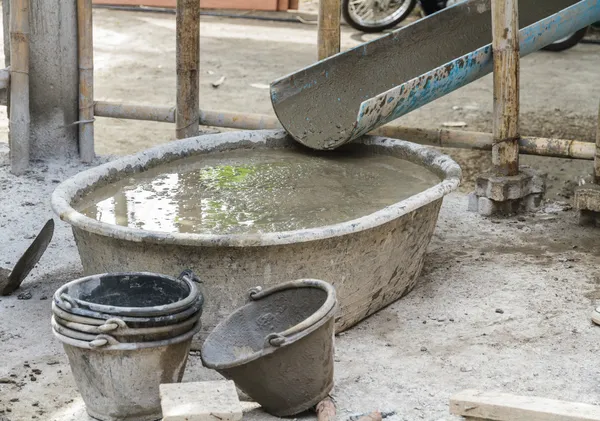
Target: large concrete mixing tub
pixel 372 261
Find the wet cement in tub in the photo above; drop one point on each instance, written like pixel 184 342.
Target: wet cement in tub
pixel 257 190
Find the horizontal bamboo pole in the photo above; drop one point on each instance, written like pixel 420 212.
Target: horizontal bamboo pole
pixel 167 115
pixel 238 121
pixel 134 112
pixel 558 148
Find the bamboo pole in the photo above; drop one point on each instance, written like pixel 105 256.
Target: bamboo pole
pixel 597 152
pixel 188 66
pixel 86 80
pixel 6 31
pixel 558 148
pixel 134 112
pixel 19 86
pixel 6 35
pixel 238 121
pixel 505 45
pixel 328 35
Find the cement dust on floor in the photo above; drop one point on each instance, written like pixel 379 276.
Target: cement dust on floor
pixel 502 304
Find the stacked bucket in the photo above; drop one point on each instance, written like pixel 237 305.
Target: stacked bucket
pixel 124 335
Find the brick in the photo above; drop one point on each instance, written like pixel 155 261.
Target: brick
pixel 587 197
pixel 200 401
pixel 473 205
pixel 486 206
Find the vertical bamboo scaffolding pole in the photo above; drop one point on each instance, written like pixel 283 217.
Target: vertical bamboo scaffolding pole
pixel 328 37
pixel 6 31
pixel 19 86
pixel 597 152
pixel 86 80
pixel 188 65
pixel 505 44
pixel 6 36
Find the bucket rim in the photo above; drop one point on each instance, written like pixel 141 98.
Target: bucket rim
pixel 117 327
pixel 112 344
pixel 96 319
pixel 68 303
pixel 273 342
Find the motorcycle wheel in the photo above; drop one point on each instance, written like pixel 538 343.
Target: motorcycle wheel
pixel 363 16
pixel 567 42
pixel 430 7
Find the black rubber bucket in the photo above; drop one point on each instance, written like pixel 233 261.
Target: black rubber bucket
pixel 137 294
pixel 279 347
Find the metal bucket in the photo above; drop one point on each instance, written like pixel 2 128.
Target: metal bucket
pixel 98 319
pixel 120 381
pixel 279 347
pixel 118 329
pixel 137 294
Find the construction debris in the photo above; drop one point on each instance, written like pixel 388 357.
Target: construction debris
pixel 219 82
pixel 326 410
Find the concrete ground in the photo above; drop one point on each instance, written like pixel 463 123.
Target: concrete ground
pixel 501 304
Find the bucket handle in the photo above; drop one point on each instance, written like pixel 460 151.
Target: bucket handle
pixel 278 339
pixel 98 342
pixel 67 301
pixel 103 340
pixel 112 324
pixel 189 275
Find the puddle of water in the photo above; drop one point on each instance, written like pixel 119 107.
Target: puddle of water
pixel 250 191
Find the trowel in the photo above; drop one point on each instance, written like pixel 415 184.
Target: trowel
pixel 11 280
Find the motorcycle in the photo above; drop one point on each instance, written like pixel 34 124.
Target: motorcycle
pixel 378 15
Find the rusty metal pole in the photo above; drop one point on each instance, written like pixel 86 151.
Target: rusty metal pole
pixel 328 37
pixel 188 68
pixel 505 44
pixel 597 152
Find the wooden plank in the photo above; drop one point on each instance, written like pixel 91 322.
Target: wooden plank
pixel 293 5
pixel 496 406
